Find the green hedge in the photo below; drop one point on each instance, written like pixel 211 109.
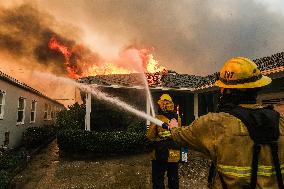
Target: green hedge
pixel 114 142
pixel 34 136
pixel 5 179
pixel 9 163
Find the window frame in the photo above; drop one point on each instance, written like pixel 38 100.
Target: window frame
pixel 24 111
pixel 3 104
pixel 33 111
pixel 47 112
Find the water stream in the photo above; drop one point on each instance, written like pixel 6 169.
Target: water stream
pixel 148 94
pixel 99 94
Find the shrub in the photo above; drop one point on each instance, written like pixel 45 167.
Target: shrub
pixel 73 118
pixel 137 127
pixel 115 142
pixel 10 161
pixel 4 179
pixel 8 164
pixel 34 136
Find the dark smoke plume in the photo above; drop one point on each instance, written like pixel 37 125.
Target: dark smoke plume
pixel 25 32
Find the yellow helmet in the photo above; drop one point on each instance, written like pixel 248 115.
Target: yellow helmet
pixel 166 97
pixel 241 73
pixel 166 103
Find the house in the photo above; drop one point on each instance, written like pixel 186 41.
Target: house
pixel 21 107
pixel 194 95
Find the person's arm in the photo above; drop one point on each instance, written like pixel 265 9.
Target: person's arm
pixel 199 136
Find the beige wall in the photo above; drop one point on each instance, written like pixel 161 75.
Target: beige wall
pixel 9 121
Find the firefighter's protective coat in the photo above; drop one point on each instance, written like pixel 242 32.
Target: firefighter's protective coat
pixel 158 134
pixel 225 139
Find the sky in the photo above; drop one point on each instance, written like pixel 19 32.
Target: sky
pixel 187 36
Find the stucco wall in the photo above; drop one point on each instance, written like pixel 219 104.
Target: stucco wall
pixel 9 121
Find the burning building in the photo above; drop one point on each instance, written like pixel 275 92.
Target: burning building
pixel 194 95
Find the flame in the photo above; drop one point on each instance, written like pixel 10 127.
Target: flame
pixel 67 53
pixel 87 63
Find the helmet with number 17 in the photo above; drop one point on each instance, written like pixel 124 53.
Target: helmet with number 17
pixel 241 73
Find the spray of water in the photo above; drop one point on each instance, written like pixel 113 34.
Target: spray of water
pixel 134 55
pixel 100 95
pixel 148 94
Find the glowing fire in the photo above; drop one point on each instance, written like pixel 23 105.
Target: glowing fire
pixel 55 45
pixel 78 64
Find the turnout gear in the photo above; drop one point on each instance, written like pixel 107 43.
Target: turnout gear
pixel 166 154
pixel 263 128
pixel 164 148
pixel 245 141
pixel 226 140
pixel 158 173
pixel 241 73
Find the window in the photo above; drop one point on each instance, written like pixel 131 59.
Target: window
pixel 33 111
pixel 21 110
pixel 47 111
pixel 2 103
pixel 6 141
pixel 52 112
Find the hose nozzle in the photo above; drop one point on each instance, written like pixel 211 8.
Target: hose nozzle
pixel 165 126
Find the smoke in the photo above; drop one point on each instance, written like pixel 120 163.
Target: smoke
pixel 24 36
pixel 194 37
pixel 25 32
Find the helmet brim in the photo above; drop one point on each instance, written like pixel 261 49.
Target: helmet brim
pixel 259 83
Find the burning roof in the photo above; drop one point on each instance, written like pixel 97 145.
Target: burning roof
pixel 81 62
pixel 173 80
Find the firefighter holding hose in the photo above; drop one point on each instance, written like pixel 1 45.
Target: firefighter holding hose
pixel 243 139
pixel 166 152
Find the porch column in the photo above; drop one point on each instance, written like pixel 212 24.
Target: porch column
pixel 148 110
pixel 196 105
pixel 88 112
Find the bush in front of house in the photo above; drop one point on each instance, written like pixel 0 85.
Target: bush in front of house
pixel 9 162
pixel 71 118
pixel 35 136
pixel 138 126
pixel 103 143
pixel 5 179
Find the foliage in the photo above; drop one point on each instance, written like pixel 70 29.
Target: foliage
pixel 10 161
pixel 8 164
pixel 115 142
pixel 72 118
pixel 34 136
pixel 138 126
pixel 4 179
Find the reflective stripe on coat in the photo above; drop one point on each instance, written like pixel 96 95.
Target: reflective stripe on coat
pixel 225 139
pixel 156 133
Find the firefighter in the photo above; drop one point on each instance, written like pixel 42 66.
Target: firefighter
pixel 243 139
pixel 166 152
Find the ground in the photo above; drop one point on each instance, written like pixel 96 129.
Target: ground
pixel 47 170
